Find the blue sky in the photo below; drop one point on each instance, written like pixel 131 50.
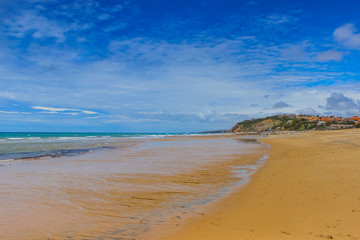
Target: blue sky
pixel 174 66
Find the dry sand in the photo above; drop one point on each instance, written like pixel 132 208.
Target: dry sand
pixel 308 189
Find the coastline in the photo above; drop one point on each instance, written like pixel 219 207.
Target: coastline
pixel 309 188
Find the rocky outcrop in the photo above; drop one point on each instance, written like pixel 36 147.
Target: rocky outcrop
pixel 258 125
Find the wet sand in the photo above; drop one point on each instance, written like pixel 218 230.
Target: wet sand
pixel 309 188
pixel 120 193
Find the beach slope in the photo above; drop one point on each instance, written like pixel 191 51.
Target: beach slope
pixel 308 189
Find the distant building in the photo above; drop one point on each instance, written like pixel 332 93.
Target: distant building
pixel 355 118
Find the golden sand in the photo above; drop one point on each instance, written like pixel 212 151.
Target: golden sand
pixel 308 189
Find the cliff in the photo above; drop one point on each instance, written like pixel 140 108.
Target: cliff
pixel 259 125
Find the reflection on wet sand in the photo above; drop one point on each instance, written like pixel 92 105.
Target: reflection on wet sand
pixel 118 193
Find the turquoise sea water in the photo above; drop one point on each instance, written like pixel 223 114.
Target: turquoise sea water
pixel 29 135
pixel 18 145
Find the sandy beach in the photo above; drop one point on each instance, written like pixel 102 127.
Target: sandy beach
pixel 190 188
pixel 309 188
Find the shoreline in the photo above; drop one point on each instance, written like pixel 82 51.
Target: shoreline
pixel 309 188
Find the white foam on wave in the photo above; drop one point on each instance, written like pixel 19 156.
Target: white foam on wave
pixel 7 160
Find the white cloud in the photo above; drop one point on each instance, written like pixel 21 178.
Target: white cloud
pixel 151 113
pixel 279 19
pixel 347 36
pixel 281 105
pixel 220 75
pixel 14 112
pixel 337 101
pixel 331 55
pixel 168 80
pixel 88 112
pixel 51 109
pixel 69 111
pixel 93 117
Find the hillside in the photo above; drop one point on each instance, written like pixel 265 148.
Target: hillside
pixel 260 124
pixel 292 123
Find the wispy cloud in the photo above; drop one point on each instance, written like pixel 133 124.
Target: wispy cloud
pixel 63 110
pixel 14 112
pixel 330 55
pixel 307 111
pixel 295 52
pixel 34 25
pixel 279 18
pixel 7 95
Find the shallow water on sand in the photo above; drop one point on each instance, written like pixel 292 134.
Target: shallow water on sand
pixel 121 192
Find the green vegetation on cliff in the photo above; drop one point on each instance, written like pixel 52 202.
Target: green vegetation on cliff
pixel 260 124
pixel 280 123
pixel 300 125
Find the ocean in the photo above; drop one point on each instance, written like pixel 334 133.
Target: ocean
pixel 114 185
pixel 17 145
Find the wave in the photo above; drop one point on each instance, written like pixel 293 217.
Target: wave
pixel 48 154
pixel 77 136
